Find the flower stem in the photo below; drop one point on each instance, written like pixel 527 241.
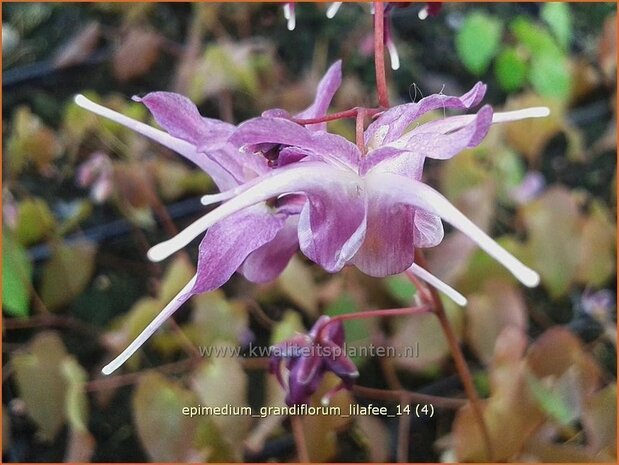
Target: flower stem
pixel 459 360
pixel 379 54
pixel 352 113
pixel 376 314
pixel 359 126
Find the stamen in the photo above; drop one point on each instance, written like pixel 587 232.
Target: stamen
pixel 428 277
pixel 333 9
pixel 178 300
pixel 417 194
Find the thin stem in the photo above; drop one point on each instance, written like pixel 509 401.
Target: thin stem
pixel 459 360
pixel 379 54
pixel 351 113
pixel 396 395
pixel 376 314
pixel 299 438
pixel 359 126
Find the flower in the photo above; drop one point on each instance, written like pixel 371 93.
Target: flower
pixel 286 185
pixel 309 356
pixel 258 241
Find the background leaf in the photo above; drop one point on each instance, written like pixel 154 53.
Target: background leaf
pixel 16 276
pixel 477 41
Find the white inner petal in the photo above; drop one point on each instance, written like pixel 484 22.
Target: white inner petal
pixel 178 300
pixel 533 112
pixel 428 277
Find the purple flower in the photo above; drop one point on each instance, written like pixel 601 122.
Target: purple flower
pixel 309 356
pixel 287 186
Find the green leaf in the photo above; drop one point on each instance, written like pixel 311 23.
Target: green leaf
pixel 16 276
pixel 67 273
pixel 477 41
pixel 401 288
pixel 535 38
pixel 510 69
pixel 550 75
pixel 557 15
pixel 35 221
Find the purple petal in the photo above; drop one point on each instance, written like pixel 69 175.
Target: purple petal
pixel 320 145
pixel 445 138
pixel 227 244
pixel 339 363
pixel 392 123
pixel 417 194
pixel 332 222
pixel 268 261
pixel 180 117
pixel 328 86
pixel 393 160
pixel 295 179
pixel 388 247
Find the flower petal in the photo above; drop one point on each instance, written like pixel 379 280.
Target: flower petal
pixel 388 246
pixel 295 179
pixel 339 363
pixel 391 124
pixel 180 298
pixel 319 145
pixel 328 86
pixel 445 138
pixel 268 261
pixel 417 194
pixel 222 176
pixel 332 222
pixel 179 116
pixel 227 244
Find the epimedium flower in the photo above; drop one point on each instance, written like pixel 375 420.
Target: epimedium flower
pixel 308 357
pixel 257 241
pixel 287 185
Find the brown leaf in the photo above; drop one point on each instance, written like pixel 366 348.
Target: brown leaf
pixel 80 46
pixel 40 382
pixel 553 249
pixel 600 420
pixel 137 54
pixel 219 382
pixel 530 136
pixel 297 283
pixel 166 434
pixel 377 438
pixel 597 255
pixel 498 306
pixel 607 49
pixel 556 351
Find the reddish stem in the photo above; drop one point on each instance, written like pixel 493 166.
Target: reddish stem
pixel 459 360
pixel 379 54
pixel 359 126
pixel 352 113
pixel 376 314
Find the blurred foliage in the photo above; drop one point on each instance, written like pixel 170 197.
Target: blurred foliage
pixel 84 198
